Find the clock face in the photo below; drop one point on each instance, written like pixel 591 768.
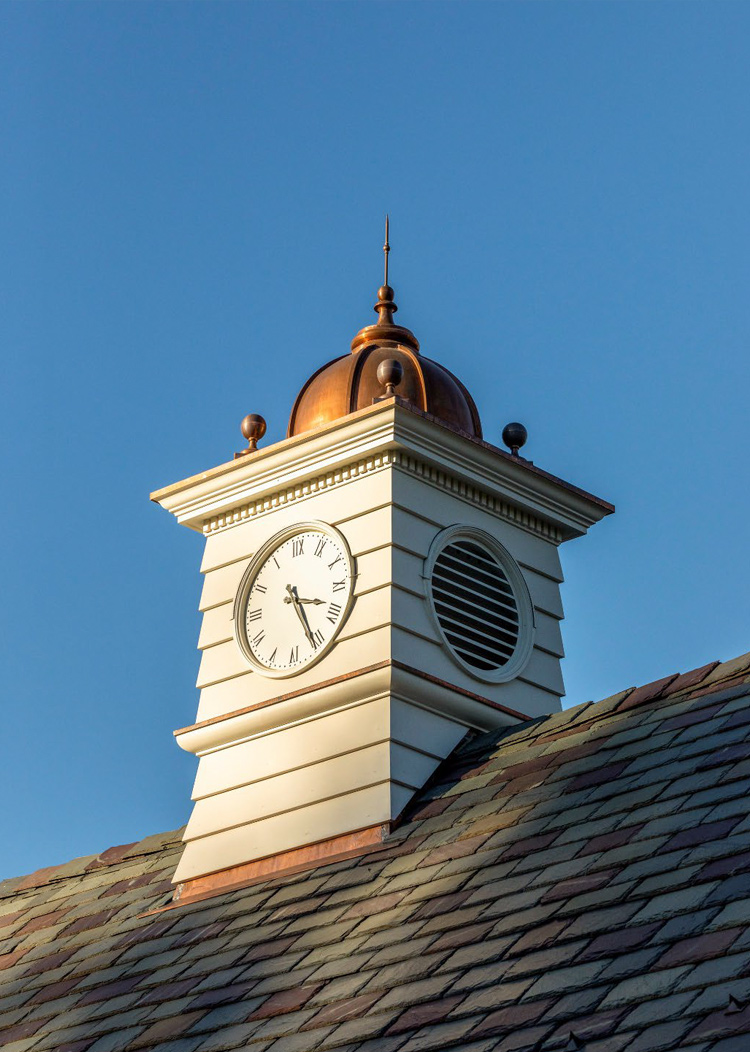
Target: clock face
pixel 294 598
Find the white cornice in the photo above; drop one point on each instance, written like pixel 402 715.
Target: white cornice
pixel 379 436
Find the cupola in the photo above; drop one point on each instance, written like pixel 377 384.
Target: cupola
pixel 377 586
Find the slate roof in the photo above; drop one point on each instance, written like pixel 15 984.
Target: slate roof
pixel 579 882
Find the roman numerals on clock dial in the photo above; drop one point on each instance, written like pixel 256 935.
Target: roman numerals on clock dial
pixel 296 600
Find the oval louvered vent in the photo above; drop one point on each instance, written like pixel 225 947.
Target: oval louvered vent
pixel 480 604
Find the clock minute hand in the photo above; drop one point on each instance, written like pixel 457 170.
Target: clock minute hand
pixel 294 600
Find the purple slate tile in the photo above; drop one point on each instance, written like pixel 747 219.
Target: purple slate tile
pixel 285 1001
pixel 620 940
pixel 701 833
pixel 700 947
pixel 568 889
pixel 647 693
pixel 687 680
pixel 512 1018
pixel 341 1011
pixel 721 1023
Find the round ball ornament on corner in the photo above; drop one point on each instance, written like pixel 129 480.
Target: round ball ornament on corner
pixel 480 603
pixel 294 598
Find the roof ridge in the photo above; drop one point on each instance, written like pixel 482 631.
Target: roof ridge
pixel 76 867
pixel 705 679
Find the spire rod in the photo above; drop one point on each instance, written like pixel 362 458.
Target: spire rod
pixel 386 249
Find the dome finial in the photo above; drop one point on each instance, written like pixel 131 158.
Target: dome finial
pixel 385 329
pixel 385 307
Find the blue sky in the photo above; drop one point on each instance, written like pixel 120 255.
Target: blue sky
pixel 191 206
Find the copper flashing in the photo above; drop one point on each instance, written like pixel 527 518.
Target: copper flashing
pixel 286 862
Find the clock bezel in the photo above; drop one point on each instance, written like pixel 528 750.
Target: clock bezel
pixel 248 579
pixel 526 619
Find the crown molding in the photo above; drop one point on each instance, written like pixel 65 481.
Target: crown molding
pixel 388 434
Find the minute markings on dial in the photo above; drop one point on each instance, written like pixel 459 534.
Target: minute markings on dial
pixel 300 572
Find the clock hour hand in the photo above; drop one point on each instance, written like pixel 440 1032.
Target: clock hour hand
pixel 315 602
pixel 295 601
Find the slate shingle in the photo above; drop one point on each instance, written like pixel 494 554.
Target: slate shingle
pixel 586 873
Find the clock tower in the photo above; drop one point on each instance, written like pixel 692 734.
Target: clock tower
pixel 377 586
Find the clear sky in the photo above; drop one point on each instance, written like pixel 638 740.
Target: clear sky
pixel 191 208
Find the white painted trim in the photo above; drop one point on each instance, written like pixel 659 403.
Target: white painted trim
pixel 388 435
pixel 389 681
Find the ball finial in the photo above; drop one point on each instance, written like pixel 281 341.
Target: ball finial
pixel 514 436
pixel 253 427
pixel 390 373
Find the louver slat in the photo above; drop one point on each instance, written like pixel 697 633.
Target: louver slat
pixel 457 586
pixel 442 593
pixel 475 605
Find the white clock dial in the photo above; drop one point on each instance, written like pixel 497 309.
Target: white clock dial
pixel 294 598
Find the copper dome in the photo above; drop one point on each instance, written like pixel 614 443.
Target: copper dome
pixel 350 382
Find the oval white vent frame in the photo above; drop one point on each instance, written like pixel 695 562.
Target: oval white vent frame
pixel 514 579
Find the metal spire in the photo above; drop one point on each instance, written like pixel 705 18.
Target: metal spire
pixel 386 250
